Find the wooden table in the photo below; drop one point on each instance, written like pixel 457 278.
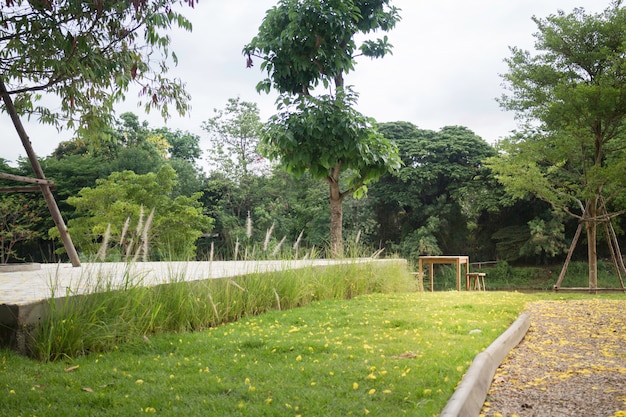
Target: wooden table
pixel 450 260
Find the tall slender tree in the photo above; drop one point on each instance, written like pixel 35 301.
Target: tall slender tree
pixel 304 44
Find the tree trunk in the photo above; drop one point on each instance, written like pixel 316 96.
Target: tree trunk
pixel 336 213
pixel 592 254
pixel 336 221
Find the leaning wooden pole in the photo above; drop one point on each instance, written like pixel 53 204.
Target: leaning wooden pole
pixel 45 188
pixel 618 254
pixel 569 257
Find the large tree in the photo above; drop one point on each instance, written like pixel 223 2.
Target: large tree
pixel 571 94
pixel 431 205
pixel 306 44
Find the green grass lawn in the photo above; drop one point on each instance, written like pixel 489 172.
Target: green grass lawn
pixel 377 354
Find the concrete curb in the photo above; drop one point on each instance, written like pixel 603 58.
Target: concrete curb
pixel 470 395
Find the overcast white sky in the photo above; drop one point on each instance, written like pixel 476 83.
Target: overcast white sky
pixel 445 68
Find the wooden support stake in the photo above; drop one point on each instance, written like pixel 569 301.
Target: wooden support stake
pixel 569 257
pixel 25 179
pixel 23 189
pixel 45 188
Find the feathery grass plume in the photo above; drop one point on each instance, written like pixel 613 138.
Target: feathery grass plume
pixel 132 243
pixel 245 254
pixel 102 252
pixel 249 226
pixel 358 237
pixel 138 247
pixel 277 248
pixel 137 251
pixel 277 299
pixel 377 253
pixel 144 235
pixel 268 236
pixel 296 245
pixel 129 249
pixel 230 281
pixel 212 252
pixel 236 249
pixel 124 230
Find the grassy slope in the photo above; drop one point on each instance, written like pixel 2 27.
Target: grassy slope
pixel 375 354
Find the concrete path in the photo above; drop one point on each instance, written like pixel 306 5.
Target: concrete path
pixel 27 287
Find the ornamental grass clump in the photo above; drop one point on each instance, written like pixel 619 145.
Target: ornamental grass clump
pixel 133 245
pixel 115 314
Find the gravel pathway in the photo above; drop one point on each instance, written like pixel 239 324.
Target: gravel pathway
pixel 572 362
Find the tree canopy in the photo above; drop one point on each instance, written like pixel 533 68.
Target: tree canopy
pixel 87 54
pixel 176 224
pixel 234 135
pixel 571 95
pixel 427 206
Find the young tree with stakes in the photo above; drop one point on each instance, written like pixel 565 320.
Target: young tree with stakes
pixel 572 96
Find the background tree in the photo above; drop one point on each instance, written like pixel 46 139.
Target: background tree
pixel 572 95
pixel 176 226
pixel 307 43
pixel 432 204
pixel 126 145
pixel 183 150
pixel 234 134
pixel 78 163
pixel 18 214
pixel 234 183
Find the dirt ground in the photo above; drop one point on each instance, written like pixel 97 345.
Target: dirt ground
pixel 572 362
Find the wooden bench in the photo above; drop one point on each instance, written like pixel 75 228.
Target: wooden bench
pixel 475 280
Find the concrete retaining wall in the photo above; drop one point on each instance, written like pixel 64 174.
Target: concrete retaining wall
pixel 470 395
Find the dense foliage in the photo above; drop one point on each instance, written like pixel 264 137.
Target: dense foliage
pixel 571 95
pixel 443 200
pixel 436 194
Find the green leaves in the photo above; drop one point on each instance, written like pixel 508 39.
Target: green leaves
pixel 18 216
pixel 307 43
pixel 376 49
pixel 87 54
pixel 322 133
pixel 234 135
pixel 177 224
pixel 572 89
